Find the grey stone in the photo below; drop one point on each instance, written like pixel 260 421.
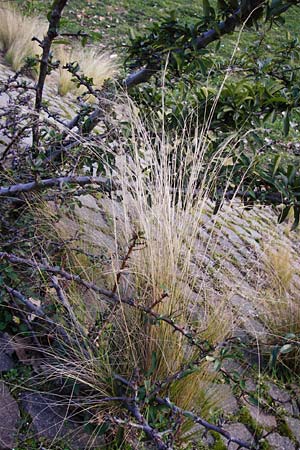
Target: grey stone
pixel 238 431
pixel 48 416
pixel 294 426
pixel 278 442
pixel 295 406
pixel 263 419
pixel 51 420
pixel 6 351
pixel 228 402
pixel 288 408
pixel 243 305
pixel 277 394
pixel 88 201
pixel 9 418
pixel 250 385
pixel 6 363
pixel 254 327
pixel 230 365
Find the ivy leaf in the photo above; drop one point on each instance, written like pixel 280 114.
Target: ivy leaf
pixel 296 217
pixel 283 215
pixel 286 123
pixel 287 348
pixel 206 8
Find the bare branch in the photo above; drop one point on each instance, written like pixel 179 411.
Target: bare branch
pixel 204 423
pixel 52 33
pixel 112 298
pixel 105 183
pixel 65 302
pixel 224 27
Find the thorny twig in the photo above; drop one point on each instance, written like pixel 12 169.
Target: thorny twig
pixel 52 32
pixel 65 302
pixel 132 246
pixel 178 411
pixel 111 297
pixel 209 426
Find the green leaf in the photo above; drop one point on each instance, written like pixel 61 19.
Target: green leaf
pixel 217 364
pixel 274 356
pixel 276 164
pixel 291 172
pixel 284 213
pixel 296 217
pixel 206 8
pixel 61 41
pixel 222 6
pixel 153 364
pixel 253 400
pixel 84 41
pixel 287 348
pixel 286 123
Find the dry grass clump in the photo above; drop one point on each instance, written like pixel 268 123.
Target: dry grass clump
pixel 16 32
pixel 279 307
pixel 279 264
pixel 281 317
pixel 161 222
pixel 92 63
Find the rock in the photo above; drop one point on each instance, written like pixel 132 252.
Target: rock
pixel 278 395
pixel 278 442
pixel 6 363
pixel 250 385
pixel 294 426
pixel 9 418
pixel 6 351
pixel 289 408
pixel 265 420
pixel 295 406
pixel 228 402
pixel 244 307
pixel 238 431
pixel 47 415
pixel 51 420
pixel 88 201
pixel 232 366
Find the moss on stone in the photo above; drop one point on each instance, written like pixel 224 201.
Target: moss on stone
pixel 219 443
pixel 284 430
pixel 264 445
pixel 246 419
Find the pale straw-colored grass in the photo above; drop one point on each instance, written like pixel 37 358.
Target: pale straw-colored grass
pixel 165 181
pixel 16 33
pixel 279 305
pixel 92 63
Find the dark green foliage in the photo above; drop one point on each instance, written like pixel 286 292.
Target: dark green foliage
pixel 259 96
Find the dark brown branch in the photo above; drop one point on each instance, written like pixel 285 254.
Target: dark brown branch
pixel 160 445
pixel 52 33
pixel 35 310
pixel 131 247
pixel 208 426
pixel 134 409
pixel 110 297
pixel 105 183
pixel 224 27
pixel 65 302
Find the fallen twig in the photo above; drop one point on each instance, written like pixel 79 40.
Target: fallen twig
pixel 106 184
